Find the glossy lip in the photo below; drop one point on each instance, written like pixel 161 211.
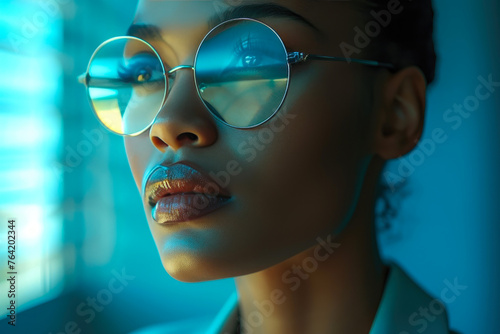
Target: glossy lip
pixel 181 180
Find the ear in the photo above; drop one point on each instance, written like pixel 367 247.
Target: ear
pixel 401 113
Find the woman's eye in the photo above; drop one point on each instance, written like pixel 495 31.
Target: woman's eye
pixel 251 60
pixel 140 68
pixel 248 55
pixel 251 53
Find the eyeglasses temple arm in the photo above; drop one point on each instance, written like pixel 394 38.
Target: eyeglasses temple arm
pixel 297 57
pixel 82 78
pixel 107 82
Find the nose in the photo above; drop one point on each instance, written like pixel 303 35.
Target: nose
pixel 183 119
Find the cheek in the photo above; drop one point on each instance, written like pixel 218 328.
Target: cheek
pixel 299 173
pixel 321 149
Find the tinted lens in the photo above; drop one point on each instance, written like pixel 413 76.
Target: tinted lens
pixel 242 72
pixel 126 84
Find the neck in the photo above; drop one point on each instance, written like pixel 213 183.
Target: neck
pixel 332 288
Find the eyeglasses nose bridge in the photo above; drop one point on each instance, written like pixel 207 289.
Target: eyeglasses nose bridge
pixel 173 70
pixel 180 67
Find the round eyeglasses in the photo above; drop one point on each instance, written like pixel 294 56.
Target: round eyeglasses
pixel 241 73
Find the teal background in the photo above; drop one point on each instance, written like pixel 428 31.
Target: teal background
pixel 447 226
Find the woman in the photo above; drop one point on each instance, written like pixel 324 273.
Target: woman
pixel 259 156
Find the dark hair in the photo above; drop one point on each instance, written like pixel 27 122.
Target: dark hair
pixel 408 38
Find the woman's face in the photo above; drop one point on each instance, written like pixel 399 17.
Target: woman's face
pixel 291 179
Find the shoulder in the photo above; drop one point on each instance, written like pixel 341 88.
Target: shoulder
pixel 198 325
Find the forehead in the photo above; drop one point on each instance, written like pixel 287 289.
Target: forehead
pixel 327 17
pixel 201 9
pixel 311 26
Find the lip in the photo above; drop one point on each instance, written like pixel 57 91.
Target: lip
pixel 179 193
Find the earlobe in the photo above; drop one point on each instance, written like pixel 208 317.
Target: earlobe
pixel 401 113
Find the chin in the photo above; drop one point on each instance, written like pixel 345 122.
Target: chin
pixel 182 271
pixel 192 269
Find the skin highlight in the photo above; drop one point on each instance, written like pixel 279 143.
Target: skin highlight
pixel 338 125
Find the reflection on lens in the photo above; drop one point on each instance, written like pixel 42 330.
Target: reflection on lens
pixel 242 72
pixel 126 84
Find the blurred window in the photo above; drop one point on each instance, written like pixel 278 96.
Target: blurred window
pixel 30 130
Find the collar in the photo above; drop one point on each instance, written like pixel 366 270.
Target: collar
pixel 405 308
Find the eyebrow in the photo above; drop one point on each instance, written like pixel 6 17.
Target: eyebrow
pixel 256 11
pixel 144 31
pixel 253 11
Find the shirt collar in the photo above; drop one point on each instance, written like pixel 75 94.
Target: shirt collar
pixel 405 308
